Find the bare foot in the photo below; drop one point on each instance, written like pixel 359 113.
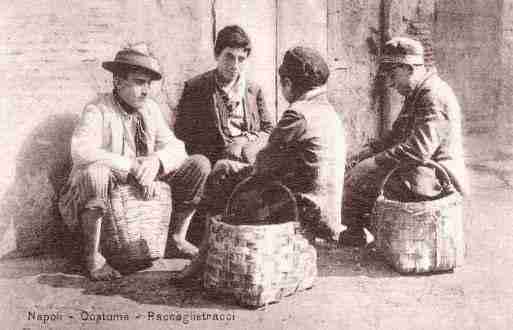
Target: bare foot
pixel 183 247
pixel 99 270
pixel 191 272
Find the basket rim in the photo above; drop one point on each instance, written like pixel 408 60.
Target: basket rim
pixel 256 225
pixel 452 196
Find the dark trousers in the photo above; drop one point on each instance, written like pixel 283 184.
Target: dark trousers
pixel 409 184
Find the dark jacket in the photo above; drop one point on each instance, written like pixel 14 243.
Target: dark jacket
pixel 427 128
pixel 197 120
pixel 306 151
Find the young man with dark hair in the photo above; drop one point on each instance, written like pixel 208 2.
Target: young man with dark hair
pixel 123 136
pixel 221 114
pixel 305 152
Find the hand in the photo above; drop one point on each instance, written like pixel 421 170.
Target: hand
pixel 149 191
pixel 250 136
pixel 224 169
pixel 361 169
pixel 145 169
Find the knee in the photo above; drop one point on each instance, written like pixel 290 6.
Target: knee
pixel 98 174
pixel 201 164
pixel 222 167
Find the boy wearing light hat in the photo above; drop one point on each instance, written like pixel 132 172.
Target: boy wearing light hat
pixel 120 136
pixel 427 128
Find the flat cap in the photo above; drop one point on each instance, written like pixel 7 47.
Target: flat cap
pixel 402 50
pixel 135 56
pixel 306 66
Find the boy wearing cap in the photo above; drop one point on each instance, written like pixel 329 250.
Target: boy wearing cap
pixel 122 136
pixel 306 151
pixel 222 114
pixel 427 128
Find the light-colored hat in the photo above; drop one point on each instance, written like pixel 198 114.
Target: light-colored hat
pixel 401 50
pixel 135 56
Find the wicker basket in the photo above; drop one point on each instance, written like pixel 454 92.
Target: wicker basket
pixel 258 264
pixel 135 230
pixel 421 237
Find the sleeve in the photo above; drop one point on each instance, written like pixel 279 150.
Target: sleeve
pixel 272 159
pixel 430 128
pixel 266 122
pixel 183 128
pixel 169 149
pixel 87 142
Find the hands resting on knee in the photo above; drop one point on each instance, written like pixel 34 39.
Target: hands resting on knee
pixel 145 171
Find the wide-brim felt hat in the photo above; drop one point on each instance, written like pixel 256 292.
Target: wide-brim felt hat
pixel 136 58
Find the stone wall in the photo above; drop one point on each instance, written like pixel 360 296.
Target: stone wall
pixel 51 58
pixel 53 49
pixel 467 46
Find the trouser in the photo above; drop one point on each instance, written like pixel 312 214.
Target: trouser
pixel 91 186
pixel 409 184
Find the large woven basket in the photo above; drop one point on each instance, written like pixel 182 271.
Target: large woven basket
pixel 135 230
pixel 421 237
pixel 261 263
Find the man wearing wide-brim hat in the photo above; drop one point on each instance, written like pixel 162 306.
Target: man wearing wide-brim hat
pixel 427 128
pixel 122 138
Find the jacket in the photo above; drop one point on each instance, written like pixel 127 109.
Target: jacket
pixel 98 136
pixel 197 120
pixel 427 128
pixel 306 151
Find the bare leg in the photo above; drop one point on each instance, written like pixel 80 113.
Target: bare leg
pixel 96 265
pixel 195 268
pixel 180 222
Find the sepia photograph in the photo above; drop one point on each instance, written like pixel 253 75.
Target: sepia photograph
pixel 271 164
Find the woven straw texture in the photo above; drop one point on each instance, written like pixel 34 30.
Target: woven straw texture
pixel 420 237
pixel 258 264
pixel 135 230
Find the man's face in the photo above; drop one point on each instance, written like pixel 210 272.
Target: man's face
pixel 231 62
pixel 135 88
pixel 399 77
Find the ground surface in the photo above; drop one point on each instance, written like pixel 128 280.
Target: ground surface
pixel 353 291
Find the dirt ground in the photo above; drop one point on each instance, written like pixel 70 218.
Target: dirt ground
pixel 354 290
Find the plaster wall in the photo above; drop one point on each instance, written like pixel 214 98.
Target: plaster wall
pixel 51 54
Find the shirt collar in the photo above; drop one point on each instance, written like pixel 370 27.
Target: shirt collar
pixel 313 93
pixel 234 89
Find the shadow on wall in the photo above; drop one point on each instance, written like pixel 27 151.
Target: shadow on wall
pixel 31 222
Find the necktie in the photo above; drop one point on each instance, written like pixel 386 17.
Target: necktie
pixel 140 140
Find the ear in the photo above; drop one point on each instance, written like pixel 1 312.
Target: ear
pixel 286 82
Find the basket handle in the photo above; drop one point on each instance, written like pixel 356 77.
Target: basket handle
pixel 446 181
pixel 241 184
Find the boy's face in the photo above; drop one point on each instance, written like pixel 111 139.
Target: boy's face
pixel 286 89
pixel 135 88
pixel 231 62
pixel 399 77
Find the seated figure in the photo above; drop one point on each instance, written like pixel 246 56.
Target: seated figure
pixel 305 152
pixel 427 128
pixel 222 114
pixel 123 138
